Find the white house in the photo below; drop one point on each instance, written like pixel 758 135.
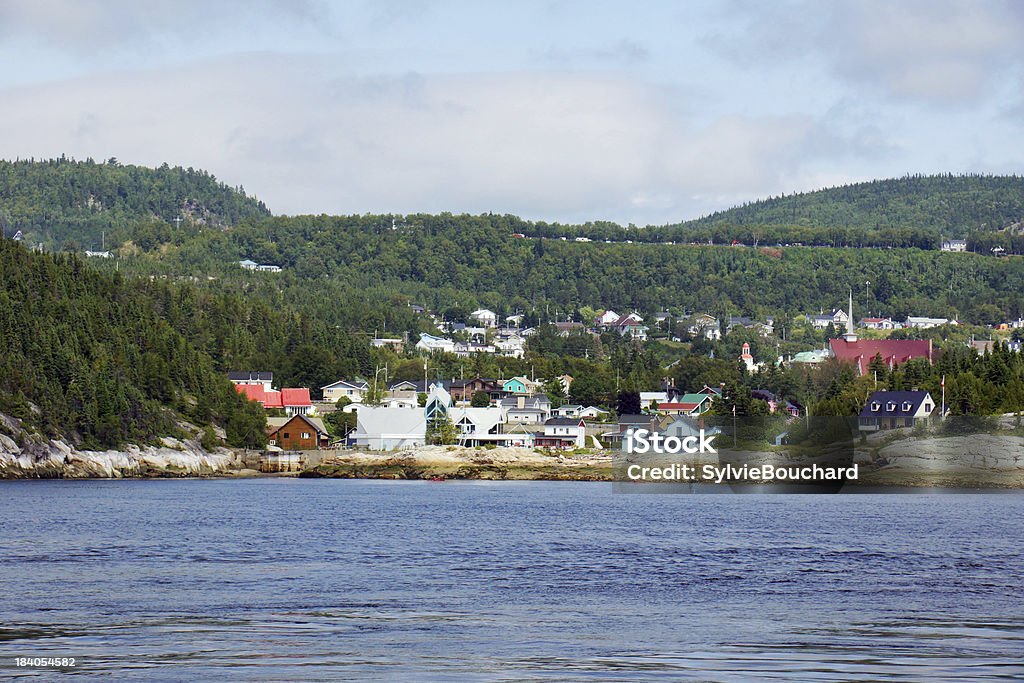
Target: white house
pixel 607 318
pixel 954 245
pixel 478 426
pixel 388 429
pixel 512 346
pixel 266 379
pixel 895 410
pixel 485 317
pixel 430 344
pixel 879 324
pixel 563 432
pixel 837 318
pixel 922 323
pixel 353 391
pixel 526 409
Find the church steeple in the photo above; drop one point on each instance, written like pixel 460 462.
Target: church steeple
pixel 850 335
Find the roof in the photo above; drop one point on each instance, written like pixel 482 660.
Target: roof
pixel 635 419
pixel 893 351
pixel 373 420
pixel 251 376
pixel 295 397
pixel 563 422
pixel 255 392
pixel 355 384
pixel 895 403
pixel 275 423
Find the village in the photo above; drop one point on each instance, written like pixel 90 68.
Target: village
pixel 518 412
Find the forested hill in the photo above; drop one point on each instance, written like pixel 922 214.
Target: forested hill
pixel 69 205
pixel 948 205
pixel 103 360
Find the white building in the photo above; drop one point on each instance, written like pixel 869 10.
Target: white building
pixel 954 245
pixel 485 317
pixel 430 344
pixel 389 429
pixel 922 323
pixel 353 391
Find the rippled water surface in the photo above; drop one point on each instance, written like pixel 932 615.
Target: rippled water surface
pixel 279 579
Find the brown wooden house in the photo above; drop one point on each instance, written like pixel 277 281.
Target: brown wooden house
pixel 298 433
pixel 463 390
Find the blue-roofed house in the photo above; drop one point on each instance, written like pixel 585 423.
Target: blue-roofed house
pixel 895 410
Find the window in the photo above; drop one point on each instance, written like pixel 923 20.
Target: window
pixel 305 435
pixel 286 435
pixel 907 406
pixel 875 406
pixel 890 406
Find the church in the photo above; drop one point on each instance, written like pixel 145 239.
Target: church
pixel 860 352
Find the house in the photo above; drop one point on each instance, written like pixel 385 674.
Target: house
pixel 390 428
pixel 607 318
pixel 691 405
pixel 515 320
pixel 567 327
pixel 352 390
pixel 268 268
pixel 652 399
pixel 520 385
pixel 485 317
pixel 563 432
pixel 630 325
pixel 248 264
pixel 922 323
pixel 511 346
pixel 814 357
pixel 879 324
pixel 431 344
pixel 704 325
pixel 775 405
pixel 465 389
pixel 837 318
pixel 264 378
pixel 627 424
pixel 467 349
pixel 954 245
pixel 292 401
pixel 395 344
pixel 526 409
pixel 567 410
pixel 98 254
pixel 895 410
pixel 593 413
pixel 297 433
pixel 478 426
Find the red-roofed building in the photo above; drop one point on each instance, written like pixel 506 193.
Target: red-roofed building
pixel 860 352
pixel 292 401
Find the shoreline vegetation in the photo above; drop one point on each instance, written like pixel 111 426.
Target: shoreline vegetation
pixel 982 461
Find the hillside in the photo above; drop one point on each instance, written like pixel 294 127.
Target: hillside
pixel 69 205
pixel 947 205
pixel 105 358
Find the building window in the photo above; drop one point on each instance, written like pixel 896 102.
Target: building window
pixel 305 435
pixel 287 435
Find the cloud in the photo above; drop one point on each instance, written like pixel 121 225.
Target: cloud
pixel 88 26
pixel 307 139
pixel 945 52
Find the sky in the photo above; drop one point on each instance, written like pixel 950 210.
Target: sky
pixel 634 112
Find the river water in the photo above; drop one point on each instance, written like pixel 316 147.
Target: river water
pixel 284 579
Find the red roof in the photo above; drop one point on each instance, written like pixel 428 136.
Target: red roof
pixel 295 397
pixel 269 399
pixel 689 407
pixel 893 351
pixel 253 392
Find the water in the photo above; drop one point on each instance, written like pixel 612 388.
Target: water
pixel 280 579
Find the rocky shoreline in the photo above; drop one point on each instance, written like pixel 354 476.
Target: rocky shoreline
pixel 976 461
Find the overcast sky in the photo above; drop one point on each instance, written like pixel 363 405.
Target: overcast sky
pixel 570 111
